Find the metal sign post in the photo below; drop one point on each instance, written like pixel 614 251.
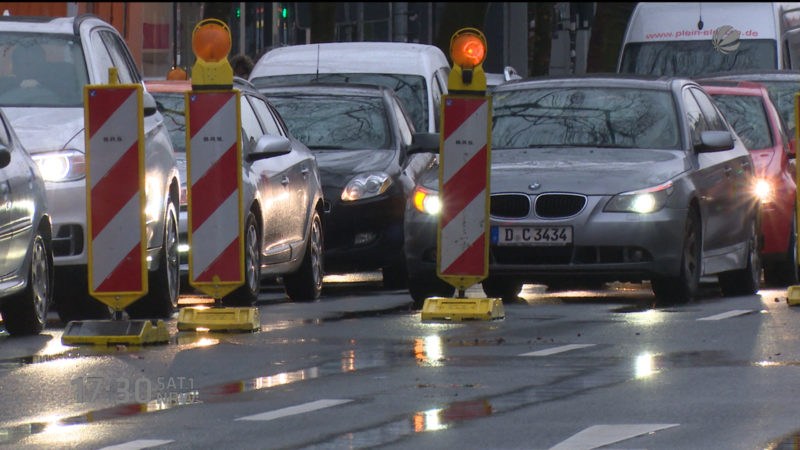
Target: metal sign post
pixel 793 292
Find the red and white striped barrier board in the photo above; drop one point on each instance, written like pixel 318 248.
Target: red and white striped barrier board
pixel 463 244
pixel 214 166
pixel 115 197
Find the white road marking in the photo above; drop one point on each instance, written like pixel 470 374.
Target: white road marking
pixel 138 444
pixel 554 350
pixel 728 315
pixel 297 409
pixel 600 435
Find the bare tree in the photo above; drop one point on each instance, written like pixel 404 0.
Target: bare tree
pixel 541 38
pixel 608 30
pixel 323 21
pixel 457 16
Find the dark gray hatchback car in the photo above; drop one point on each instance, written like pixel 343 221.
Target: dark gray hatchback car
pixel 606 178
pixel 360 135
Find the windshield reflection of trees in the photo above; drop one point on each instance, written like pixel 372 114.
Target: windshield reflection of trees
pixel 335 123
pixel 746 115
pixel 171 106
pixel 585 117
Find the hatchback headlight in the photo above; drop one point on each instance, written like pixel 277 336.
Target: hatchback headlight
pixel 426 201
pixel 366 185
pixel 67 165
pixel 643 202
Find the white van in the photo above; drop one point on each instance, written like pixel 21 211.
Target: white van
pixel 417 72
pixel 688 39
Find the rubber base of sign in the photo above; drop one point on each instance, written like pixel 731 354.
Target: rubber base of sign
pixel 218 319
pixel 459 309
pixel 793 296
pixel 114 332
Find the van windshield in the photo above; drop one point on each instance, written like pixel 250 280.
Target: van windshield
pixel 411 89
pixel 692 58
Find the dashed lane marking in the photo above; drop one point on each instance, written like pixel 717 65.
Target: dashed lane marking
pixel 600 435
pixel 297 409
pixel 727 315
pixel 138 444
pixel 554 350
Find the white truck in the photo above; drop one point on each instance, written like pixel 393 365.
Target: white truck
pixel 689 39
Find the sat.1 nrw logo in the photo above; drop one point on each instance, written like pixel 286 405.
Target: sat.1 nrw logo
pixel 725 39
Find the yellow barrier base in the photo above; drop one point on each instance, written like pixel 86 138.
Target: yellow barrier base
pixel 793 296
pixel 218 319
pixel 458 309
pixel 112 332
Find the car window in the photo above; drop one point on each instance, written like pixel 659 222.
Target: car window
pixel 125 67
pixel 411 89
pixel 714 120
pixel 578 116
pixel 41 70
pixel 694 117
pixel 748 118
pixel 782 95
pixel 335 122
pixel 266 116
pixel 406 133
pixel 251 129
pixel 171 105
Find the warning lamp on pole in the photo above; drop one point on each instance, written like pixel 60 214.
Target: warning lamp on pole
pixel 211 43
pixel 468 51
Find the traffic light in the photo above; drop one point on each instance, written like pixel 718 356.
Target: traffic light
pixel 468 51
pixel 238 12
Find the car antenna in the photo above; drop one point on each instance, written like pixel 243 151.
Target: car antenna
pixel 316 77
pixel 700 15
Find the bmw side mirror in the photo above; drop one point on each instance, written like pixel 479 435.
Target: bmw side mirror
pixel 424 143
pixel 715 141
pixel 268 146
pixel 5 156
pixel 149 103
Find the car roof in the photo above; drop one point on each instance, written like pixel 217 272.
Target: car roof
pixel 162 85
pixel 599 80
pixel 351 57
pixel 756 75
pixel 735 87
pixel 54 25
pixel 339 89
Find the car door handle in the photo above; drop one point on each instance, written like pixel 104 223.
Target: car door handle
pixel 285 180
pixel 728 171
pixel 304 171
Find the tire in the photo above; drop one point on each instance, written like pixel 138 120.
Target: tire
pixel 785 272
pixel 72 299
pixel 163 288
pixel 686 286
pixel 422 288
pixel 745 281
pixel 395 276
pixel 247 294
pixel 306 284
pixel 503 288
pixel 26 313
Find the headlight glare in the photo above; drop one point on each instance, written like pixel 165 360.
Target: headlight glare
pixel 426 201
pixel 67 165
pixel 366 185
pixel 764 190
pixel 643 202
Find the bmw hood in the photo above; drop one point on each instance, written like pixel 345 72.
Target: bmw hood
pixel 337 167
pixel 47 129
pixel 591 171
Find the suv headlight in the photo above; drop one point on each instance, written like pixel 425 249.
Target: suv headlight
pixel 366 185
pixel 67 165
pixel 642 202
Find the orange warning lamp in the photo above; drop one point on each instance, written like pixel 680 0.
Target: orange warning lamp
pixel 211 43
pixel 468 51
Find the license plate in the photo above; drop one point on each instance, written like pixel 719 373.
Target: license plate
pixel 531 235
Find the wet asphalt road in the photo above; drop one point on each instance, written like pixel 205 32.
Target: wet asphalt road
pixel 359 369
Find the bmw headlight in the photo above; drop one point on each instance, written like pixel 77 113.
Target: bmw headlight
pixel 366 185
pixel 642 202
pixel 426 201
pixel 67 165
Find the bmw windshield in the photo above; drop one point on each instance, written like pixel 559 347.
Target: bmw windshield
pixel 41 70
pixel 584 117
